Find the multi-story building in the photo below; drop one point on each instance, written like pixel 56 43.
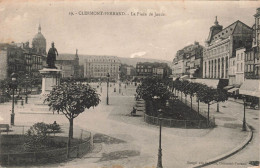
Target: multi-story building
pixel 240 65
pixel 250 87
pixel 68 64
pixel 148 69
pixel 12 60
pixel 232 70
pixel 221 45
pixel 252 54
pixel 144 69
pixel 188 61
pixel 99 66
pixel 33 60
pixel 127 72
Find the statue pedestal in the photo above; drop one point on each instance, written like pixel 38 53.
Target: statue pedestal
pixel 50 78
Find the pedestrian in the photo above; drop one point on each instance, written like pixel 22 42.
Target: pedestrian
pixel 26 99
pixel 22 103
pixel 134 111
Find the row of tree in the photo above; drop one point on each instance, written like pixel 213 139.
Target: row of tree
pixel 162 90
pixel 203 93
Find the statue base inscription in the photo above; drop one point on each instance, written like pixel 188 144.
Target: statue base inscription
pixel 50 78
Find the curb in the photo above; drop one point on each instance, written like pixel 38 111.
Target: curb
pixel 228 154
pixel 236 101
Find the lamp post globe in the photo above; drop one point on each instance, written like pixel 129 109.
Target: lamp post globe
pixel 13 86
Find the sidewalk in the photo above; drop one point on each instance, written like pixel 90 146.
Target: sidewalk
pixel 236 100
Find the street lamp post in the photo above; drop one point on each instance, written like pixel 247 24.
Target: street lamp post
pixel 26 90
pixel 244 119
pixel 107 87
pixel 159 163
pixel 13 86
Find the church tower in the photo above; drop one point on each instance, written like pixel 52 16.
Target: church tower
pixel 39 43
pixel 76 64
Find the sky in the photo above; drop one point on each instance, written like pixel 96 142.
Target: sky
pixel 160 37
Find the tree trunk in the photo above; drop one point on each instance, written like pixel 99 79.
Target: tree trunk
pixel 71 129
pixel 198 107
pixel 208 114
pixel 217 107
pixel 70 137
pixel 190 103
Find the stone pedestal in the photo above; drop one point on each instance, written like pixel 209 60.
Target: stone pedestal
pixel 50 79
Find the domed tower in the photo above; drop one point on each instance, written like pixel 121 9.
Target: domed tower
pixel 214 30
pixel 39 43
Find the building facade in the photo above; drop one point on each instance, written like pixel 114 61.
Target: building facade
pixel 69 65
pixel 188 61
pixel 240 65
pixel 221 45
pixel 232 71
pixel 100 66
pixel 148 69
pixel 127 72
pixel 250 86
pixel 12 60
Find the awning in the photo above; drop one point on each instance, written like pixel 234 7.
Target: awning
pixel 222 83
pixel 228 87
pixel 232 90
pixel 192 71
pixel 185 77
pixel 209 82
pixel 250 88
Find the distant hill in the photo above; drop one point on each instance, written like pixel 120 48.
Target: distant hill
pixel 128 61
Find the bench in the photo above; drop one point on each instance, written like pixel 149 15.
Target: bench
pixel 6 126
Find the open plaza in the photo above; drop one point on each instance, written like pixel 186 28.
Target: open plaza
pixel 134 143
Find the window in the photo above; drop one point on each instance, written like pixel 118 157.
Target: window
pixel 242 56
pixel 237 67
pixel 237 56
pixel 241 67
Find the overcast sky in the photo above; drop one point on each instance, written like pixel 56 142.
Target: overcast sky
pixel 124 36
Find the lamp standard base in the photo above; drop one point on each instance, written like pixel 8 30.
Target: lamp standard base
pixel 159 163
pixel 244 126
pixel 12 119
